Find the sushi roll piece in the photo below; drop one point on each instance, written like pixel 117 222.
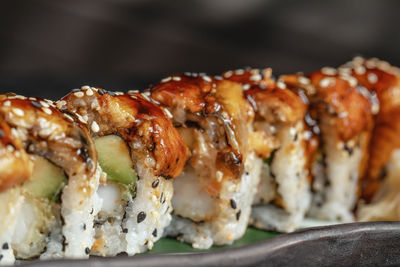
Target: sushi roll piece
pixel 139 154
pixel 285 143
pixel 380 191
pixel 47 180
pixel 212 199
pixel 343 115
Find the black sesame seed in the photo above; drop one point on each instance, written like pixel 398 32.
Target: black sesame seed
pixel 101 91
pixel 87 251
pixel 1 256
pixel 5 246
pixel 161 197
pixel 91 212
pixel 36 104
pixel 247 173
pixel 233 204
pixel 111 93
pixel 155 232
pixel 147 242
pixel 238 215
pixel 125 230
pixel 2 133
pixel 141 217
pixel 295 137
pixel 84 226
pixel 155 183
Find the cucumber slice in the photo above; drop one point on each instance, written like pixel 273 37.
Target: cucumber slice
pixel 115 160
pixel 46 180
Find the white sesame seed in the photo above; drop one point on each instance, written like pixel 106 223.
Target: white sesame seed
pixel 255 77
pixel 239 71
pixel 18 112
pixel 79 94
pixel 133 91
pixel 344 71
pixel 281 85
pixel 207 79
pixel 166 79
pixel 68 117
pixel 325 82
pixel 360 70
pixel 85 87
pixel 32 98
pixel 47 110
pixel 371 64
pixel 292 131
pixel 169 114
pixel 220 175
pixel 118 93
pixel 95 127
pixel 217 77
pixel 176 78
pixel 304 80
pixel 44 104
pixel 7 103
pixel 10 148
pixel 228 74
pixel 329 71
pixel 89 92
pixel 146 97
pixel 246 87
pixel 372 78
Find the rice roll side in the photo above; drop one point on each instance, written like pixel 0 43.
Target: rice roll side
pixel 380 191
pixel 212 199
pixel 139 153
pixel 48 180
pixel 281 140
pixel 344 117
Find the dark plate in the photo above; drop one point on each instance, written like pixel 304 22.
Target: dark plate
pixel 355 244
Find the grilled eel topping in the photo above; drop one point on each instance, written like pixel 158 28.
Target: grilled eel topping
pixel 382 80
pixel 44 131
pixel 212 117
pixel 142 124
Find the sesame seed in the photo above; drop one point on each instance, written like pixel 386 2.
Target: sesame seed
pixel 228 74
pixel 166 79
pixel 47 110
pixel 187 74
pixel 147 93
pixel 44 104
pixel 141 217
pixel 325 82
pixel 36 104
pixel 239 71
pixel 328 71
pixel 133 91
pixel 218 77
pixel 233 204
pixel 68 117
pixel 176 78
pixel 10 148
pixel 125 230
pixel 169 114
pixel 5 246
pixel 281 85
pixel 85 87
pixel 207 78
pixel 155 183
pixel 304 80
pixel 255 77
pixel 95 127
pixel 79 94
pixel 155 232
pixel 238 215
pixel 89 92
pixel 372 78
pixel 18 112
pixel 7 103
pixel 87 251
pixel 360 70
pixel 246 86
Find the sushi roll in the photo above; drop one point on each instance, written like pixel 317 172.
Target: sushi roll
pixel 343 115
pixel 380 191
pixel 212 199
pixel 139 154
pixel 47 181
pixel 285 143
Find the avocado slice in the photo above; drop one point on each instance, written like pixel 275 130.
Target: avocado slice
pixel 46 180
pixel 115 160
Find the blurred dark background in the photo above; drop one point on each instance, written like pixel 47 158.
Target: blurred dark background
pixel 49 47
